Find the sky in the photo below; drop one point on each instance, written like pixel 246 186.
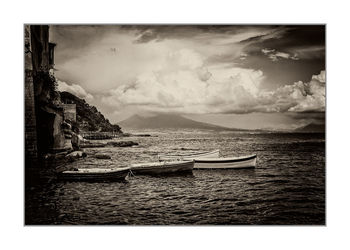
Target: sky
pixel 240 76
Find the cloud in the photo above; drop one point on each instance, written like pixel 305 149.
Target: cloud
pixel 274 32
pixel 267 51
pixel 227 91
pixel 206 33
pixel 321 77
pixel 188 87
pixel 307 41
pixel 310 96
pixel 184 59
pixel 74 89
pixel 297 97
pixel 104 57
pixel 196 69
pixel 277 55
pixel 243 56
pixel 203 74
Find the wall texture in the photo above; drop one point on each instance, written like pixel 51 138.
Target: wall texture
pixel 31 152
pixel 70 112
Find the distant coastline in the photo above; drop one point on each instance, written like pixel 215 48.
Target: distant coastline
pixel 177 122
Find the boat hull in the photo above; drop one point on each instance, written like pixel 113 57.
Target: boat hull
pixel 95 175
pixel 226 163
pixel 163 168
pixel 205 155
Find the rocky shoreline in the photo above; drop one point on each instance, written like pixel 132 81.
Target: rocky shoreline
pixel 56 162
pixel 89 144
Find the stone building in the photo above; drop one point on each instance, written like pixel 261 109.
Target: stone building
pixel 45 129
pixel 70 112
pixel 31 152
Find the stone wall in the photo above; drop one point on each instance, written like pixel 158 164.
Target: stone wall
pixel 44 114
pixel 40 47
pixel 31 152
pixel 70 112
pixel 30 122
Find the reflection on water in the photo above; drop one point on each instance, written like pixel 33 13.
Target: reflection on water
pixel 287 187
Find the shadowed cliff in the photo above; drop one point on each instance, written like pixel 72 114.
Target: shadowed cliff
pixel 88 117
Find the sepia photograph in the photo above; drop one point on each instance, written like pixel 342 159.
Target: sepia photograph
pixel 174 124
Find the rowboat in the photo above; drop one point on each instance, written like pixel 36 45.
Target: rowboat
pixel 207 154
pixel 159 168
pixel 248 161
pixel 95 174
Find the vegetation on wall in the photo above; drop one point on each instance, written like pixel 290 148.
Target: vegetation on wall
pixel 45 85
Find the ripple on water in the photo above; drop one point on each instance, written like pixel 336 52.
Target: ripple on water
pixel 287 187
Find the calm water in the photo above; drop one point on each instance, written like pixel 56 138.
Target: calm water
pixel 287 186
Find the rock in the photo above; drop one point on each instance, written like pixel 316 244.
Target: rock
pixel 76 155
pixel 122 143
pixel 102 156
pixel 67 131
pixel 67 136
pixel 49 156
pixel 98 136
pixel 142 135
pixel 66 125
pixel 67 144
pixel 59 155
pixel 88 144
pixel 75 141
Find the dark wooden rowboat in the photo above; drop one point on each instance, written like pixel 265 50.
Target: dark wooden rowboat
pixel 95 174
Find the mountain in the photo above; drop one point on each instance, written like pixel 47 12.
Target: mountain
pixel 88 117
pixel 166 121
pixel 312 127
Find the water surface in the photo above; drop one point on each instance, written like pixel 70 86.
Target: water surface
pixel 287 187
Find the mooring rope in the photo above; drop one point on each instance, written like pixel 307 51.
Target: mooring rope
pixel 131 173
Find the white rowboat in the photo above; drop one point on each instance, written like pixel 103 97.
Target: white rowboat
pixel 248 161
pixel 208 154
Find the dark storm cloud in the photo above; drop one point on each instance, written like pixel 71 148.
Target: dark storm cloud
pixel 295 38
pixel 276 31
pixel 298 51
pixel 73 40
pixel 283 71
pixel 303 36
pixel 147 33
pixel 307 40
pixel 294 54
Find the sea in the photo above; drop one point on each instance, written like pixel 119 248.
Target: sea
pixel 287 187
